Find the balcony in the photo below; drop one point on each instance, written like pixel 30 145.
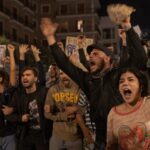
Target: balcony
pixel 29 7
pixel 13 39
pixel 17 19
pixel 5 12
pixel 85 15
pixel 65 10
pixel 20 2
pixel 29 26
pixel 21 20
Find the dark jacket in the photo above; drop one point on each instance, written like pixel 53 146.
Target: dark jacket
pixel 100 87
pixel 6 126
pixel 20 105
pixel 133 54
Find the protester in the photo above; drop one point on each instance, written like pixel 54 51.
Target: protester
pixel 33 130
pixel 23 49
pixel 52 76
pixel 60 100
pixel 7 87
pixel 28 104
pixel 128 125
pixel 100 80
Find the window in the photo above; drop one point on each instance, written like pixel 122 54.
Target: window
pixel 107 33
pixel 27 2
pixel 64 27
pixel 1 4
pixel 34 7
pixel 113 33
pixel 15 13
pixel 34 24
pixel 14 34
pixel 26 20
pixel 64 9
pixel 80 8
pixel 45 9
pixel 1 28
pixel 26 38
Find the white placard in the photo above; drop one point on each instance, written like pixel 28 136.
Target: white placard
pixel 72 45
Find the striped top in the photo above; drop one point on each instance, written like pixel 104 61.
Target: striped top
pixel 83 102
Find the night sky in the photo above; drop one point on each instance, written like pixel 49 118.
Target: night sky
pixel 140 17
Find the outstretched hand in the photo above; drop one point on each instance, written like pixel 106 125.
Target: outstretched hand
pixel 35 52
pixel 23 48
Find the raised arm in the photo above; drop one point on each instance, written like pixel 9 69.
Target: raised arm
pixel 39 65
pixel 23 48
pixel 48 28
pixel 11 50
pixel 82 57
pixel 136 53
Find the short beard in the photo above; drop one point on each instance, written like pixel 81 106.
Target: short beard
pixel 101 66
pixel 66 83
pixel 29 86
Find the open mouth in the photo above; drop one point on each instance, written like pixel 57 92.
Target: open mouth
pixel 65 79
pixel 25 82
pixel 92 63
pixel 127 92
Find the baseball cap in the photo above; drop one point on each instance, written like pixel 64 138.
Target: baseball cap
pixel 100 47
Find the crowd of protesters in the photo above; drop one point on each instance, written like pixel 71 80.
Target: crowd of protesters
pixel 91 104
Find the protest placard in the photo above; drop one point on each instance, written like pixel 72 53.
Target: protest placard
pixel 2 54
pixel 72 45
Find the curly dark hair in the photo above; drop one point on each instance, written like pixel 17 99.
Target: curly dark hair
pixel 33 69
pixel 139 74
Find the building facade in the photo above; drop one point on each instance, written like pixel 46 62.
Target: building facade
pixel 108 33
pixel 77 17
pixel 17 20
pixel 20 19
